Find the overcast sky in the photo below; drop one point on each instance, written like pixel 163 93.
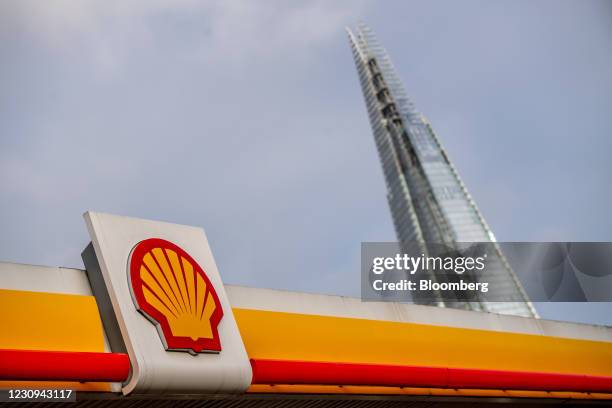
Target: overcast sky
pixel 246 118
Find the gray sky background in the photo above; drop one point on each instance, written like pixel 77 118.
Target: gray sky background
pixel 247 118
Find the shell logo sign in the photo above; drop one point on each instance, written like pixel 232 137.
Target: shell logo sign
pixel 171 290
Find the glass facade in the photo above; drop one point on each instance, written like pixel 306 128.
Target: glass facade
pixel 428 201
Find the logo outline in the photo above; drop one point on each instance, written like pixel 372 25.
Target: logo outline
pixel 170 341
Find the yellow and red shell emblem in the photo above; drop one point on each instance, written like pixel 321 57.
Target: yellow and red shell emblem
pixel 174 293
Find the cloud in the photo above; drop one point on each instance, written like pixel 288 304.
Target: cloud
pixel 235 33
pixel 214 114
pixel 246 118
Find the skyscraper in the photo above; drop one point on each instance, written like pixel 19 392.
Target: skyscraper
pixel 428 201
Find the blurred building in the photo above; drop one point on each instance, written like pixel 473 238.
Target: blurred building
pixel 429 203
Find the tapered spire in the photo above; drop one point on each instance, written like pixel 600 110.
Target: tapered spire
pixel 428 201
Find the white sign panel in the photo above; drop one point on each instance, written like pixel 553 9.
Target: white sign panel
pixel 170 305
